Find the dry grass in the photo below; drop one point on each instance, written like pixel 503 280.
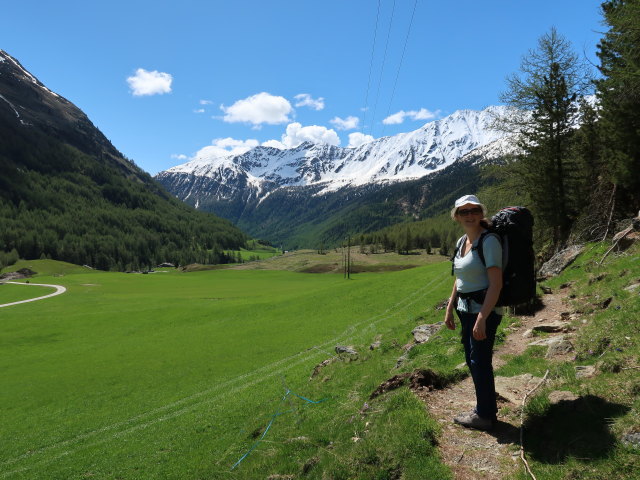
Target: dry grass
pixel 310 261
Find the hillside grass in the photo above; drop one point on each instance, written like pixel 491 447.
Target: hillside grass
pixel 176 375
pixel 52 268
pixel 255 253
pixel 582 439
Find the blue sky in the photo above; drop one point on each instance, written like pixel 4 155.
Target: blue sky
pixel 164 79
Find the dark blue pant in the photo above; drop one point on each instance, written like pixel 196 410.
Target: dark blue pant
pixel 479 354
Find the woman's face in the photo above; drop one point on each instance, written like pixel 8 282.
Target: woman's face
pixel 469 215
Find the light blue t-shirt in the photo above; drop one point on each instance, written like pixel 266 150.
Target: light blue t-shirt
pixel 471 274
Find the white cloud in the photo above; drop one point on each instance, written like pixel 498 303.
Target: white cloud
pixel 236 145
pixel 296 134
pixel 180 156
pixel 149 83
pixel 357 138
pixel 422 114
pixel 274 144
pixel 348 123
pixel 205 102
pixel 395 118
pixel 305 100
pixel 258 109
pixel 223 147
pixel 199 110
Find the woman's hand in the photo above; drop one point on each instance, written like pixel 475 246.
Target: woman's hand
pixel 480 328
pixel 449 321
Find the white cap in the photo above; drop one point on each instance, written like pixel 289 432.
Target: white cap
pixel 467 199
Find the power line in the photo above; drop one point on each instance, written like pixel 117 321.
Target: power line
pixel 395 83
pixel 373 48
pixel 384 58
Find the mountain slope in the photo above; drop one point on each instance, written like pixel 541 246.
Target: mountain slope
pixel 261 170
pixel 67 193
pixel 314 194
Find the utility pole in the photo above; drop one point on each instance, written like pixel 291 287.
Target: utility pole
pixel 349 257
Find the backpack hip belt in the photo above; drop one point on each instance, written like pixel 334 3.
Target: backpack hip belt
pixel 477 296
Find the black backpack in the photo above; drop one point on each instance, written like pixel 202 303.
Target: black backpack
pixel 514 227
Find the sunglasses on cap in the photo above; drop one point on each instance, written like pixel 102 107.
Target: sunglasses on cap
pixel 463 212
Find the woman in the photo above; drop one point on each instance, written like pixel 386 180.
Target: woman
pixel 474 296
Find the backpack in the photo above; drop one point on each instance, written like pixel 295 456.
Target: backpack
pixel 514 227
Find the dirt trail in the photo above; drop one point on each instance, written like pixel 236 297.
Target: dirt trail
pixel 472 454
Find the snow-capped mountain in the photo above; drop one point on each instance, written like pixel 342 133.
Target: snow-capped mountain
pixel 262 170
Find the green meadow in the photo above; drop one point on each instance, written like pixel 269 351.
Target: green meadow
pixel 10 293
pixel 178 375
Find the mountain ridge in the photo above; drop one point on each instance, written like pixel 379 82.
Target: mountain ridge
pixel 315 194
pixel 401 157
pixel 35 105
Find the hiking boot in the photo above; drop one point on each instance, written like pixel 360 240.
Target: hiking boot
pixel 473 420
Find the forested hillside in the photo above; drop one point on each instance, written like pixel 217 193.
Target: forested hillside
pixel 298 219
pixel 66 193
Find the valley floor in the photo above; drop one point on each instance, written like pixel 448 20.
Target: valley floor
pixel 197 375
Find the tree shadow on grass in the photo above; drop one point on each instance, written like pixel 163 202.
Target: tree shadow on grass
pixel 577 428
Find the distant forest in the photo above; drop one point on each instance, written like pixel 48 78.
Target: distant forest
pixel 57 202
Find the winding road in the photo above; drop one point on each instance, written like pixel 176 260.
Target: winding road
pixel 59 291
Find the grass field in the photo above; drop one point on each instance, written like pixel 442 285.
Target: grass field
pixel 170 374
pixel 10 293
pixel 255 253
pixel 309 261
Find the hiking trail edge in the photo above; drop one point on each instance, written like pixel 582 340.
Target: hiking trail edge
pixel 472 454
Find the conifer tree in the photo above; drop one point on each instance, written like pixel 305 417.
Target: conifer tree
pixel 618 93
pixel 543 96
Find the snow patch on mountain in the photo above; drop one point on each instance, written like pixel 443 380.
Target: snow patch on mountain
pixel 4 56
pixel 401 157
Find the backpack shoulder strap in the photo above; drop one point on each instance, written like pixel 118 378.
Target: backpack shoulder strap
pixel 480 247
pixel 461 240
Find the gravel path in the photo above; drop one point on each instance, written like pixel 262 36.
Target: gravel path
pixel 472 454
pixel 59 291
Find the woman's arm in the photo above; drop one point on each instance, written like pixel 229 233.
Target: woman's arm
pixel 448 317
pixel 490 300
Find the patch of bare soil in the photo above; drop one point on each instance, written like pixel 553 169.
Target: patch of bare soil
pixel 473 454
pixel 18 275
pixel 418 380
pixel 321 268
pixel 381 268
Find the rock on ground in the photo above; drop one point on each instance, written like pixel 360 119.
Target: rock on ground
pixel 18 275
pixel 631 439
pixel 515 388
pixel 348 350
pixel 587 371
pixel 560 261
pixel 422 333
pixel 558 396
pixel 560 346
pixel 550 327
